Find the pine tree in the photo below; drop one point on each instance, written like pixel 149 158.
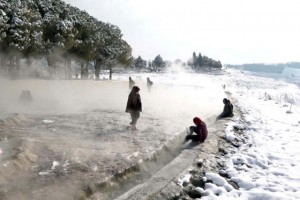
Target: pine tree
pixel 139 63
pixel 158 63
pixel 59 32
pixel 194 61
pixel 199 60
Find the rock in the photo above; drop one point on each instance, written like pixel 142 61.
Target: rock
pixel 238 127
pixel 234 185
pixel 195 194
pixel 184 198
pixel 89 189
pixel 188 188
pixel 197 181
pixel 223 173
pixel 185 184
pixel 223 150
pixel 199 162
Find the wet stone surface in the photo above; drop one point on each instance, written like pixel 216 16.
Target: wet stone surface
pixel 67 152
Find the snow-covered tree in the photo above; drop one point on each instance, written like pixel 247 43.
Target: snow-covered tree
pixel 158 63
pixel 3 29
pixel 139 63
pixel 59 32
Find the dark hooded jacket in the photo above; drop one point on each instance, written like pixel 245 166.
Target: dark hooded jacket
pixel 201 129
pixel 228 109
pixel 134 102
pixel 149 82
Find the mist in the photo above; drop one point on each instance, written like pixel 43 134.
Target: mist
pixel 174 94
pixel 73 124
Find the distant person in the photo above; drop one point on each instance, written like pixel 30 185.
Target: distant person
pixel 25 96
pixel 131 83
pixel 134 106
pixel 227 111
pixel 149 84
pixel 200 129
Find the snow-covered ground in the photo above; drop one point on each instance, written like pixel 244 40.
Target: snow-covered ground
pixel 267 166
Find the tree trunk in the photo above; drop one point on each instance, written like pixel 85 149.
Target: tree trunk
pixel 18 63
pixel 54 69
pixel 82 70
pixel 66 69
pixel 29 62
pixel 11 68
pixel 69 67
pixel 3 60
pixel 97 69
pixel 51 66
pixel 3 64
pixel 110 72
pixel 86 70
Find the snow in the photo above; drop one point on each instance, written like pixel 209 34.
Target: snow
pixel 46 121
pixel 54 165
pixel 267 166
pixel 185 179
pixel 228 133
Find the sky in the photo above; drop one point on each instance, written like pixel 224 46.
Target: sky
pixel 232 31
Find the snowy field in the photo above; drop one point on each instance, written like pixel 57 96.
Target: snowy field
pixel 267 166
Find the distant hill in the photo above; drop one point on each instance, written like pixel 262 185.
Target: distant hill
pixel 266 68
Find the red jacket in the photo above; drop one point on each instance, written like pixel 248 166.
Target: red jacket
pixel 201 130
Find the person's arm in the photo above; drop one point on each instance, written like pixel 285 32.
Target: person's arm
pixel 129 104
pixel 139 103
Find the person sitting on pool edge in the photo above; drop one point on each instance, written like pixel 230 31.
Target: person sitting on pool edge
pixel 227 111
pixel 200 129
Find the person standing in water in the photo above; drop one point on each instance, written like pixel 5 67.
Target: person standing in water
pixel 134 106
pixel 131 83
pixel 149 84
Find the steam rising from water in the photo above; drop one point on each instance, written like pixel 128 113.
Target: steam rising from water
pixel 95 135
pixel 172 95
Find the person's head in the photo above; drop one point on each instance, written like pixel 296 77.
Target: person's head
pixel 196 120
pixel 129 78
pixel 225 100
pixel 135 89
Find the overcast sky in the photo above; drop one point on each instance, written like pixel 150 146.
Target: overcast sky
pixel 232 31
